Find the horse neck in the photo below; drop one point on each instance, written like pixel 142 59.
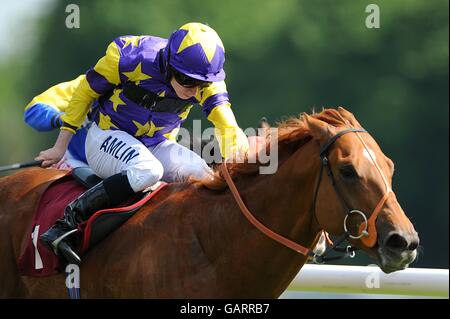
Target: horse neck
pixel 282 202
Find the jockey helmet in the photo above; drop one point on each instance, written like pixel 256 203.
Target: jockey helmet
pixel 196 51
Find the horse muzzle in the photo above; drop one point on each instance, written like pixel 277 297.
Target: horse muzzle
pixel 397 250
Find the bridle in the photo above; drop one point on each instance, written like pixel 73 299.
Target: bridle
pixel 367 230
pixel 349 250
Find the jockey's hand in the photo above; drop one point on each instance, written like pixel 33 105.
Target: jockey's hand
pixel 55 154
pixel 256 144
pixel 51 156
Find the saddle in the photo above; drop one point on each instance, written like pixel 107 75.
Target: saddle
pixel 37 259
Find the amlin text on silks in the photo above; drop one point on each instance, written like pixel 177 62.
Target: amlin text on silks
pixel 114 148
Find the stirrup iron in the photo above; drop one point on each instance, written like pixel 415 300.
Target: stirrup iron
pixel 58 240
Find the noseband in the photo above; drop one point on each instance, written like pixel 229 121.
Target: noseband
pixel 367 231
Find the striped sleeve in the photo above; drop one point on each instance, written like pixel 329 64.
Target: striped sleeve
pixel 212 95
pixel 42 117
pixel 217 108
pixel 44 111
pixel 230 136
pixel 99 80
pixel 58 96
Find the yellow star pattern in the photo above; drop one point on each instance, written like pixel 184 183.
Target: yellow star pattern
pixel 185 114
pixel 105 122
pixel 162 94
pixel 115 99
pixel 202 34
pixel 141 129
pixel 137 75
pixel 134 41
pixel 148 129
pixel 172 135
pixel 153 129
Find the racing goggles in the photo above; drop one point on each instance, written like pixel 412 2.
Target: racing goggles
pixel 187 81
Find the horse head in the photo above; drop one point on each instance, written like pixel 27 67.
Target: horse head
pixel 355 197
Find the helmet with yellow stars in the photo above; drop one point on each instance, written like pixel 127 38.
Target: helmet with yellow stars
pixel 196 51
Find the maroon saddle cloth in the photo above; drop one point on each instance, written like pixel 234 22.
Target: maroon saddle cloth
pixel 37 260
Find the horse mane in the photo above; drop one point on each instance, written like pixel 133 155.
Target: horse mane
pixel 293 133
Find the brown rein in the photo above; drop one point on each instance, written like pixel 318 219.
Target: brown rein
pixel 266 231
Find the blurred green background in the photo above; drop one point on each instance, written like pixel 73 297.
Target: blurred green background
pixel 283 58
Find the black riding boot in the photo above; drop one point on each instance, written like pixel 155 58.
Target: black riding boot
pixel 76 212
pixel 111 191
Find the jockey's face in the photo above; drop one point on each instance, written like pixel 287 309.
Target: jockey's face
pixel 182 91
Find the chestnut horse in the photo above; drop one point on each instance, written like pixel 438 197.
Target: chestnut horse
pixel 192 241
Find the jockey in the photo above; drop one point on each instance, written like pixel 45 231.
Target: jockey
pixel 145 87
pixel 44 112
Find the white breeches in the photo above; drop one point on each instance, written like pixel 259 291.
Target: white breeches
pixel 110 152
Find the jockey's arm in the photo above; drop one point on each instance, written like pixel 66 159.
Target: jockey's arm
pixel 216 106
pixel 44 111
pixel 98 80
pixel 232 140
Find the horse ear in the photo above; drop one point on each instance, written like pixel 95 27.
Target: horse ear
pixel 318 129
pixel 264 123
pixel 349 117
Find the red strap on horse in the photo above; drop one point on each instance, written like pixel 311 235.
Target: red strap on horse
pixel 371 239
pixel 266 231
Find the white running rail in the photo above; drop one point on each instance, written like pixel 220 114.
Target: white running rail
pixel 371 280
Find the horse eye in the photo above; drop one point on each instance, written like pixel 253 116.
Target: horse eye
pixel 348 172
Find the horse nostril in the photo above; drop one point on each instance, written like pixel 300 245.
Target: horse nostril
pixel 413 245
pixel 396 242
